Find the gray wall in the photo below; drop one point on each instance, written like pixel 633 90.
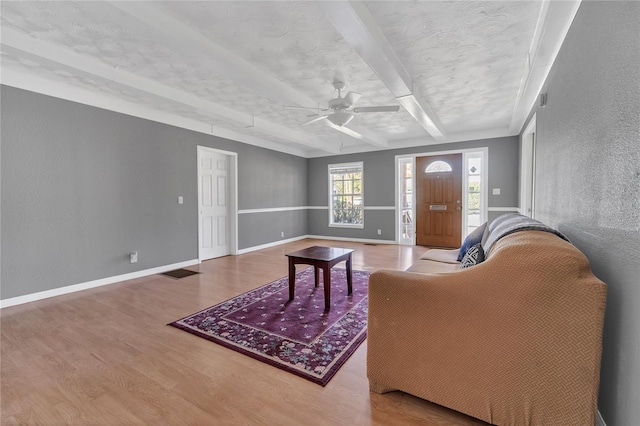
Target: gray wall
pixel 270 179
pixel 82 187
pixel 268 227
pixel 588 178
pixel 379 184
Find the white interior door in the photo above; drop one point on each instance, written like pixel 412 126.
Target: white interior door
pixel 213 203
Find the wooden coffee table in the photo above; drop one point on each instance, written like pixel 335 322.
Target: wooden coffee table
pixel 320 257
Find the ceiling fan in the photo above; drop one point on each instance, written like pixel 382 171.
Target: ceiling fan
pixel 340 110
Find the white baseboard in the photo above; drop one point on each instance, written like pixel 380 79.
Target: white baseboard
pixel 600 420
pixel 273 244
pixel 355 240
pixel 315 237
pixel 91 284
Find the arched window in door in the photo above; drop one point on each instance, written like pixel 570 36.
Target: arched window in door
pixel 438 167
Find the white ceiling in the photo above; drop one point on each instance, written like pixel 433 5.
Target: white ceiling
pixel 459 70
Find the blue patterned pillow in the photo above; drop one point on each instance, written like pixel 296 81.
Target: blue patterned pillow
pixel 474 256
pixel 472 239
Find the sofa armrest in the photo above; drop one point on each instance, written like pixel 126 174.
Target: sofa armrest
pixel 506 348
pixel 420 321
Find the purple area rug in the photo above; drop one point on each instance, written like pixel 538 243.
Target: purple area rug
pixel 297 336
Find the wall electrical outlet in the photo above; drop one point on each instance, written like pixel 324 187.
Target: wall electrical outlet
pixel 282 234
pixel 133 257
pixel 379 231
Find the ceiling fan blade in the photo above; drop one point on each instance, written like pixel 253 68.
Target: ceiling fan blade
pixel 303 107
pixel 384 108
pixel 350 99
pixel 361 134
pixel 322 117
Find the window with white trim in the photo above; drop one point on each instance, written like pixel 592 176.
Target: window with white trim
pixel 346 200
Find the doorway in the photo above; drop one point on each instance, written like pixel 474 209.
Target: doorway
pixel 439 200
pixel 217 203
pixel 474 184
pixel 527 169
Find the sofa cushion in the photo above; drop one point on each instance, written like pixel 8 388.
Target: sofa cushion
pixel 432 267
pixel 474 255
pixel 442 255
pixel 472 239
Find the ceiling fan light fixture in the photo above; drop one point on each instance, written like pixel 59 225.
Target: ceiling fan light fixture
pixel 340 118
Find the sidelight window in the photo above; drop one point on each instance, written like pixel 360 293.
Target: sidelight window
pixel 475 207
pixel 405 192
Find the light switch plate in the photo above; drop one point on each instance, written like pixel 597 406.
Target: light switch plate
pixel 496 191
pixel 180 199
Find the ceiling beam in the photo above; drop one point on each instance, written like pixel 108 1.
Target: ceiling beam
pixel 359 28
pixel 60 58
pixel 552 27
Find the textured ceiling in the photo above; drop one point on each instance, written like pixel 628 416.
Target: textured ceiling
pixel 236 69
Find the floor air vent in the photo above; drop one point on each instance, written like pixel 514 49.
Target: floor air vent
pixel 179 273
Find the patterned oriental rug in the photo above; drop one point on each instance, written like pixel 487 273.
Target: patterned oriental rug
pixel 297 336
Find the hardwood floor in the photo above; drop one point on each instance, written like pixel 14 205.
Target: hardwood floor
pixel 106 356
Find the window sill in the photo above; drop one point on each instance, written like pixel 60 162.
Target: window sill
pixel 345 225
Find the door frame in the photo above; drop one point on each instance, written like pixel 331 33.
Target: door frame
pixel 528 169
pixel 484 194
pixel 232 224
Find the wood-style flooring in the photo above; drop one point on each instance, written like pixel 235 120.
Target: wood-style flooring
pixel 105 356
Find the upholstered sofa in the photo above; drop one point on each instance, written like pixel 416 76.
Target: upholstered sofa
pixel 513 340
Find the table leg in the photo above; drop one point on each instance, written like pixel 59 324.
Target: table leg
pixel 326 272
pixel 316 274
pixel 349 278
pixel 292 279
